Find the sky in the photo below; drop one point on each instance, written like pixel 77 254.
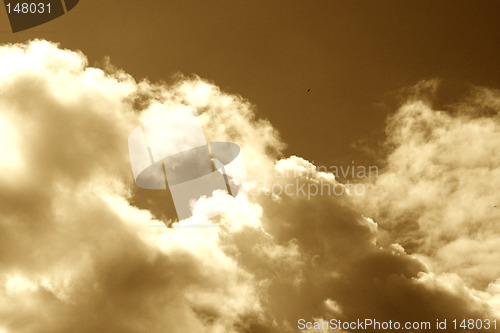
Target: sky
pixel 409 88
pixel 353 55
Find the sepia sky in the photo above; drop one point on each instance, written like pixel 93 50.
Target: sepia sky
pixel 411 88
pixel 351 54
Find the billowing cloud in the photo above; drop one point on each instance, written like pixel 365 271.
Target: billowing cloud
pixel 84 250
pixel 437 196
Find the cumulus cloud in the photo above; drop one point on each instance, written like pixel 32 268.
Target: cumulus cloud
pixel 84 250
pixel 76 255
pixel 437 196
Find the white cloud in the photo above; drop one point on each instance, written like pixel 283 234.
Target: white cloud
pixel 438 195
pixel 84 258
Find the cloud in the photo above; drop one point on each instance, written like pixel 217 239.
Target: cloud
pixel 437 196
pixel 82 249
pixel 76 255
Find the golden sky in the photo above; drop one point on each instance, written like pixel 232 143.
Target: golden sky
pixel 410 88
pixel 351 54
